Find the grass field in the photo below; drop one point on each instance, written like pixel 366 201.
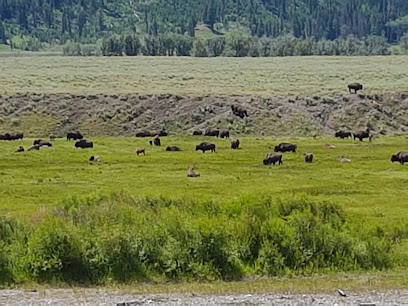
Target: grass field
pixel 371 186
pixel 146 75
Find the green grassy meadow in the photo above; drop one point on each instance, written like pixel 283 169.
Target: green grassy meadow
pixel 371 186
pixel 229 76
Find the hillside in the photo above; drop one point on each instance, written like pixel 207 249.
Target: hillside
pixel 29 23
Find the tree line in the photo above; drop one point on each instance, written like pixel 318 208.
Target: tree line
pixel 86 21
pixel 235 45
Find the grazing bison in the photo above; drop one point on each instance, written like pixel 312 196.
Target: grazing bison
pixel 344 160
pixel 355 86
pixel 173 149
pixel 308 157
pixel 140 151
pixel 272 158
pixel 362 134
pixel 74 136
pixel 84 144
pixel 143 133
pixel 401 157
pixel 285 147
pixel 16 136
pixel 224 134
pixel 95 159
pixel 19 149
pixel 235 144
pixel 212 132
pixel 34 148
pixel 192 173
pixel 239 111
pixel 342 134
pixel 197 133
pixel 206 146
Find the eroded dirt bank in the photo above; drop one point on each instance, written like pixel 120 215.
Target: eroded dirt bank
pixel 116 115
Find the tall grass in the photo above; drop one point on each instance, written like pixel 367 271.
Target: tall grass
pixel 120 238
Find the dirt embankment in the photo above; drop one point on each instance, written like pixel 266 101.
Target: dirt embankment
pixel 124 114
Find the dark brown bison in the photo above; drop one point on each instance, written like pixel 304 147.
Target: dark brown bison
pixel 224 134
pixel 42 143
pixel 355 86
pixel 173 148
pixel 84 144
pixel 74 136
pixel 206 146
pixel 197 133
pixel 360 135
pixel 52 137
pixel 156 141
pixel 235 144
pixel 143 133
pixel 11 136
pixel 192 173
pixel 342 134
pixel 160 133
pixel 19 149
pixel 272 158
pixel 308 157
pixel 401 157
pixel 212 132
pixel 285 147
pixel 34 148
pixel 239 111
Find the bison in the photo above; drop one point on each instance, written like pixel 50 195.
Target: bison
pixel 192 173
pixel 143 133
pixel 308 157
pixel 16 136
pixel 272 158
pixel 355 86
pixel 235 144
pixel 160 133
pixel 344 160
pixel 156 141
pixel 224 134
pixel 212 132
pixel 52 137
pixel 206 146
pixel 239 111
pixel 197 133
pixel 173 149
pixel 401 157
pixel 362 134
pixel 84 144
pixel 94 159
pixel 342 134
pixel 74 136
pixel 19 149
pixel 42 143
pixel 140 151
pixel 285 147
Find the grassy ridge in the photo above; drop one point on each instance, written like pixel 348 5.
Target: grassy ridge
pixel 295 75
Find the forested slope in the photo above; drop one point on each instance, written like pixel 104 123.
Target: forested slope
pixel 87 20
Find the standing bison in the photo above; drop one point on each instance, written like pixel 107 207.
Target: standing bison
pixel 342 134
pixel 212 132
pixel 308 157
pixel 355 86
pixel 285 147
pixel 156 141
pixel 239 111
pixel 84 144
pixel 206 146
pixel 272 158
pixel 360 135
pixel 235 144
pixel 74 136
pixel 224 134
pixel 401 157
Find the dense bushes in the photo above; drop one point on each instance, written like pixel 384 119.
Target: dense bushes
pixel 120 238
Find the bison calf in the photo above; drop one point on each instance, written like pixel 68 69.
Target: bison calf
pixel 19 149
pixel 192 173
pixel 308 157
pixel 140 151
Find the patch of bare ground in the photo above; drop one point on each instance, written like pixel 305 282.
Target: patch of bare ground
pixel 103 114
